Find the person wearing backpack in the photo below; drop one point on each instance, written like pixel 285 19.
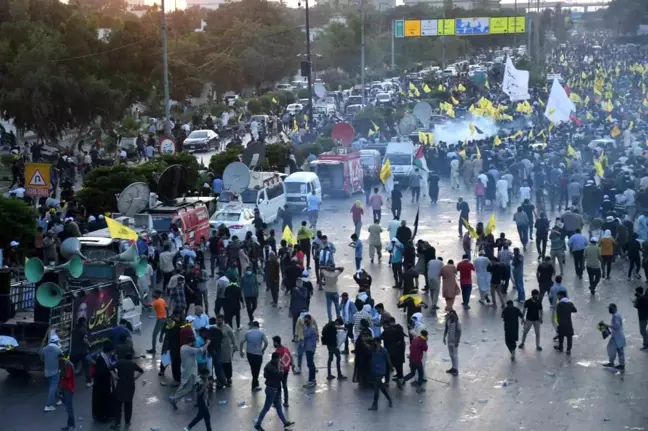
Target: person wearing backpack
pixel 285 364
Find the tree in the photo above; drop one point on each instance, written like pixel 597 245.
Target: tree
pixel 626 15
pixel 103 184
pixel 16 222
pixel 219 162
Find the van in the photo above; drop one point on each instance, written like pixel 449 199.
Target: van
pixel 401 159
pixel 191 218
pixel 298 186
pixel 266 191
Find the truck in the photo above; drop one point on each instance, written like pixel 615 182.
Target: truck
pixel 102 295
pixel 340 172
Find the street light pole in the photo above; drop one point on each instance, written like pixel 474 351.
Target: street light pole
pixel 310 70
pixel 165 61
pixel 362 51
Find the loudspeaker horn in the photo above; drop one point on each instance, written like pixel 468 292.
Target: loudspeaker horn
pixel 34 270
pixel 71 247
pixel 140 266
pixel 131 255
pixel 49 295
pixel 74 267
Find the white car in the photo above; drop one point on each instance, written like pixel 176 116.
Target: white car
pixel 285 87
pixel 237 219
pixel 294 108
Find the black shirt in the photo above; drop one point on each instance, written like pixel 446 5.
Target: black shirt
pixel 533 309
pixel 463 208
pixel 528 209
pixel 511 317
pixel 545 272
pixel 272 376
pixel 542 227
pixel 396 197
pixel 642 307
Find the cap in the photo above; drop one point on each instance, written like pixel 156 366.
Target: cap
pixel 14 243
pixel 305 273
pixel 609 218
pixel 191 318
pixel 92 218
pixel 54 338
pixel 594 239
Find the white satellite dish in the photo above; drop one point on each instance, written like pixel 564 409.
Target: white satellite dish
pixel 134 199
pixel 236 177
pixel 407 125
pixel 320 90
pixel 422 111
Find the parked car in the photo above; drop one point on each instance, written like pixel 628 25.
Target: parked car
pixel 238 219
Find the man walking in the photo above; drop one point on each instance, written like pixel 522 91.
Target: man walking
pixel 592 257
pixel 617 341
pixel 451 337
pixel 464 213
pixel 375 244
pixel 511 316
pixel 256 343
pixel 273 376
pixel 376 203
pixel 641 304
pixel 577 244
pixel 564 310
pixel 465 268
pixel 310 343
pixel 189 368
pixel 380 366
pixel 330 340
pixel 418 347
pixel 544 275
pixel 434 280
pixel 394 338
pixel 532 317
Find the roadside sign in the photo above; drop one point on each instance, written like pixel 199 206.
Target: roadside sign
pixel 412 27
pixel 399 28
pixel 37 179
pixel 429 27
pixel 167 146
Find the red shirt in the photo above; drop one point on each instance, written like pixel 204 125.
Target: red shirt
pixel 417 348
pixel 186 333
pixel 465 268
pixel 357 213
pixel 480 190
pixel 67 381
pixel 285 358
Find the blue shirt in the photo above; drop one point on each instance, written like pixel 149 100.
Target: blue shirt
pixel 577 242
pixel 397 254
pixel 379 361
pixel 201 321
pixel 117 332
pixel 313 202
pixel 217 185
pixel 310 338
pixel 358 249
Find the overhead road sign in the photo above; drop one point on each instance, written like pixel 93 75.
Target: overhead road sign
pixel 412 28
pixel 472 26
pixel 499 25
pixel 446 27
pixel 429 27
pixel 399 28
pixel 517 24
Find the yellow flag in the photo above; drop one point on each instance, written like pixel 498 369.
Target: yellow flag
pixel 240 116
pixel 422 138
pixel 375 126
pixel 571 152
pixel 486 85
pixel 599 169
pixel 371 132
pixel 288 236
pixel 490 226
pixel 598 92
pixel 295 127
pixel 583 75
pixel 462 153
pixel 587 100
pixel 461 88
pixel 531 136
pixel 119 231
pixel 589 116
pixel 615 132
pixel 609 118
pixel 274 100
pixel 472 129
pixel 454 101
pixel 631 125
pixel 441 87
pixel 497 141
pixel 385 171
pixel 575 98
pixel 427 88
pixel 471 230
pixel 645 103
pixel 430 138
pixel 478 152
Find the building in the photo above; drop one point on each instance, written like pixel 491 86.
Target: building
pixel 377 4
pixel 206 4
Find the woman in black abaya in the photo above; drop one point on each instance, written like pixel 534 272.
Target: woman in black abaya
pixel 103 397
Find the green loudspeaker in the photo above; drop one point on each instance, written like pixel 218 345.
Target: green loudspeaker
pixel 49 295
pixel 140 266
pixel 34 270
pixel 74 267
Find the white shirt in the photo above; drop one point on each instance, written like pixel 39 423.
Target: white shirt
pixel 630 196
pixel 393 227
pixel 525 192
pixel 186 127
pixel 19 192
pixel 123 154
pixel 484 179
pixel 509 180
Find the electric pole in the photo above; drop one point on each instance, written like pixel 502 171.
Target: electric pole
pixel 165 61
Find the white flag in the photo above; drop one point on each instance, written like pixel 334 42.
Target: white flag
pixel 516 82
pixel 559 106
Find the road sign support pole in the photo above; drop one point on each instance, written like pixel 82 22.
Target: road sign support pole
pixel 362 50
pixel 165 62
pixel 393 29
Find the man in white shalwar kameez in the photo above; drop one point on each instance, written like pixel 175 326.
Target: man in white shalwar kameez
pixel 501 193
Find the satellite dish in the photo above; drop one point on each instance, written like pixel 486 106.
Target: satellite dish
pixel 344 133
pixel 172 183
pixel 407 125
pixel 236 177
pixel 134 199
pixel 423 111
pixel 320 90
pixel 167 145
pixel 254 155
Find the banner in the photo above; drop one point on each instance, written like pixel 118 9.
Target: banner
pixel 99 308
pixel 559 106
pixel 516 82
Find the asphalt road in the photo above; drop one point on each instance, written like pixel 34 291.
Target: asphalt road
pixel 541 391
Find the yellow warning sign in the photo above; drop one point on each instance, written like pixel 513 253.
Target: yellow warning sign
pixel 37 179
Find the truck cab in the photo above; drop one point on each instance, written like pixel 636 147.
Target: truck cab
pixel 401 159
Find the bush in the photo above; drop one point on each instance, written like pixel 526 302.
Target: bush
pixel 6 159
pixel 254 106
pixel 128 127
pixel 275 157
pixel 102 184
pixel 217 109
pixel 219 162
pixel 283 97
pixel 302 93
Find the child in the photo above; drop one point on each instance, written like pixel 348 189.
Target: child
pixel 67 390
pixel 203 401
